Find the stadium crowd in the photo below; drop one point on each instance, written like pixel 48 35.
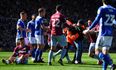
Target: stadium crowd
pixel 75 10
pixel 10 10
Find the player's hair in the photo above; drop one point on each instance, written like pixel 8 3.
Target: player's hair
pixel 33 15
pixel 22 13
pixel 20 39
pixel 41 10
pixel 107 1
pixel 58 7
pixel 81 21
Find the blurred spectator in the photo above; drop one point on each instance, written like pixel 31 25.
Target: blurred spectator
pixel 9 10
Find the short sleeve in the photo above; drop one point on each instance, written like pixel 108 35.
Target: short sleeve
pixel 19 23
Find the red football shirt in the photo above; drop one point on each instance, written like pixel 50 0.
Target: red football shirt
pixel 57 23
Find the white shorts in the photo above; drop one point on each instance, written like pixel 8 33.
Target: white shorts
pixel 32 40
pixel 26 41
pixel 104 41
pixel 61 40
pixel 39 39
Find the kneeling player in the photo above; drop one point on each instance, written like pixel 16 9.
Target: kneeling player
pixel 20 54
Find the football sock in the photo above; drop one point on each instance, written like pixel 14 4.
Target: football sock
pixel 57 53
pixel 108 59
pixel 40 54
pixel 36 54
pixel 50 55
pixel 33 52
pixel 105 60
pixel 104 65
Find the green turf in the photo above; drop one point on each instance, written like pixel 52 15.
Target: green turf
pixel 90 64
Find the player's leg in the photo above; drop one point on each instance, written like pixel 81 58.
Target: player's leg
pixel 19 59
pixel 42 47
pixel 63 44
pixel 107 58
pixel 104 41
pixel 24 59
pixel 33 47
pixel 36 55
pixel 59 52
pixel 91 53
pixel 98 51
pixel 33 51
pixel 41 53
pixel 91 50
pixel 53 43
pixel 10 60
pixel 63 53
pixel 39 49
pixel 56 54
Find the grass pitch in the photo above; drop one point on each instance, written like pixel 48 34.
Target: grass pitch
pixel 89 63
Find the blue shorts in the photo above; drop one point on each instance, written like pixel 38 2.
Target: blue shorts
pixel 61 40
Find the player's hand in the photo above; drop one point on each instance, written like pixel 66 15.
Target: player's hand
pixel 27 30
pixel 86 31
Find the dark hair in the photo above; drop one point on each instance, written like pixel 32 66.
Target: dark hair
pixel 22 13
pixel 33 15
pixel 20 39
pixel 41 10
pixel 59 7
pixel 107 1
pixel 81 21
